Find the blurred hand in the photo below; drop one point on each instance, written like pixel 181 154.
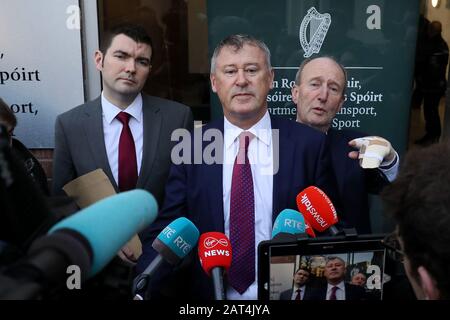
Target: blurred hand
pixel 372 151
pixel 127 255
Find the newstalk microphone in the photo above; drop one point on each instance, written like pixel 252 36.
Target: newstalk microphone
pixel 88 239
pixel 308 229
pixel 172 244
pixel 317 209
pixel 214 251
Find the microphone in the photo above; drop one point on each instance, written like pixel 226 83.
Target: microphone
pixel 309 231
pixel 88 239
pixel 172 244
pixel 46 264
pixel 111 222
pixel 214 251
pixel 288 221
pixel 317 209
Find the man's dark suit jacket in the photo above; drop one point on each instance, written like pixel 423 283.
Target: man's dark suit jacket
pixel 354 183
pixel 352 293
pixel 287 294
pixel 195 191
pixel 80 144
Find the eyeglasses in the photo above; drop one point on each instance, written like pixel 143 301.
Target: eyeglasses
pixel 391 243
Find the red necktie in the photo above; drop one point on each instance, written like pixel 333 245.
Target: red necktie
pixel 299 294
pixel 127 155
pixel 242 219
pixel 333 293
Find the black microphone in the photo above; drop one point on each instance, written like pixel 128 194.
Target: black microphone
pixel 89 239
pixel 45 267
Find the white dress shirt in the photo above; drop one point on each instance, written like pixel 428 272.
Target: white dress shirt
pixel 390 169
pixel 260 155
pixel 112 129
pixel 340 292
pixel 302 292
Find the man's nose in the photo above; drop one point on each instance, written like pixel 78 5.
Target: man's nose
pixel 130 66
pixel 241 79
pixel 323 94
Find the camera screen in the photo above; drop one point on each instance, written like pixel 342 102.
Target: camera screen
pixel 316 266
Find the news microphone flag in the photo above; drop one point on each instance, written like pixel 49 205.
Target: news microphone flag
pixel 308 229
pixel 176 240
pixel 214 250
pixel 317 208
pixel 288 221
pixel 172 244
pixel 110 223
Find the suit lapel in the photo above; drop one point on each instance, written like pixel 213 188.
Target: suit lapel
pixel 93 127
pixel 338 156
pixel 214 174
pixel 280 194
pixel 152 122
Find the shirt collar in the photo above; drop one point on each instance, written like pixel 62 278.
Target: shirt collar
pixel 340 285
pixel 110 111
pixel 302 287
pixel 261 130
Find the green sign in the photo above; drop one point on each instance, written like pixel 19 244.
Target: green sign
pixel 375 41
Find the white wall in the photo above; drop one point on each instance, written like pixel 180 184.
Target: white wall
pixel 41 71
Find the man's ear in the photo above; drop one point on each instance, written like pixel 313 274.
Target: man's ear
pixel 294 93
pixel 272 77
pixel 98 58
pixel 428 284
pixel 212 78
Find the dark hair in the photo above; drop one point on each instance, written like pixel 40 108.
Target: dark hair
pixel 135 32
pixel 308 60
pixel 304 269
pixel 419 201
pixel 6 115
pixel 237 42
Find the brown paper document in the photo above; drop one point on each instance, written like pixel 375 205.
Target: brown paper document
pixel 92 187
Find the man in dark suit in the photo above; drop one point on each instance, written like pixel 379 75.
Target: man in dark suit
pixel 336 288
pixel 300 291
pixel 431 82
pixel 319 95
pixel 90 136
pixel 214 186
